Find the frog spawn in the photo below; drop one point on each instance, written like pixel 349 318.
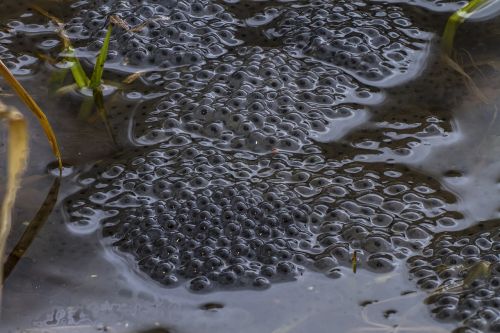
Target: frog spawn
pixel 18 63
pixel 376 44
pixel 25 40
pixel 149 35
pixel 184 211
pixel 434 5
pixel 414 118
pixel 282 91
pixel 337 221
pixel 396 140
pixel 463 269
pixel 257 100
pixel 155 34
pixel 311 90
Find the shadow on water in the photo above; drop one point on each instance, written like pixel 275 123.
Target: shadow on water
pixel 155 330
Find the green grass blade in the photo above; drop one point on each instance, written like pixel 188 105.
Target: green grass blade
pixel 79 74
pixel 95 81
pixel 455 20
pixel 99 102
pixel 86 108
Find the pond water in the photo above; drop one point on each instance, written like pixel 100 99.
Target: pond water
pixel 264 144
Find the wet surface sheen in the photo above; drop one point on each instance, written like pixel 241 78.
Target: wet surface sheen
pixel 264 144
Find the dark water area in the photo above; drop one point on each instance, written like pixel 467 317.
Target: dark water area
pixel 263 146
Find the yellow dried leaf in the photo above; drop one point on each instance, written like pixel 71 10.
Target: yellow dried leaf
pixel 59 23
pixel 31 104
pixel 132 77
pixel 354 261
pixel 17 155
pixel 479 270
pixel 469 81
pixel 118 21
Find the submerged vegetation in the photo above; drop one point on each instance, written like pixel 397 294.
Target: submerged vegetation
pixel 68 53
pixel 17 155
pixel 448 38
pixel 37 111
pixel 17 151
pixel 455 20
pixel 32 229
pixel 94 85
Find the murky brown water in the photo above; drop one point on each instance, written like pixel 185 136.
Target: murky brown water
pixel 344 110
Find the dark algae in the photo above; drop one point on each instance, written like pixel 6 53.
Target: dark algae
pixel 264 142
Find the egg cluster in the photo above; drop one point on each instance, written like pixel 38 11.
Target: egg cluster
pixel 27 37
pixel 231 183
pixel 464 270
pixel 372 42
pixel 257 100
pixel 18 62
pixel 413 116
pixel 435 5
pixel 185 210
pixel 155 34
